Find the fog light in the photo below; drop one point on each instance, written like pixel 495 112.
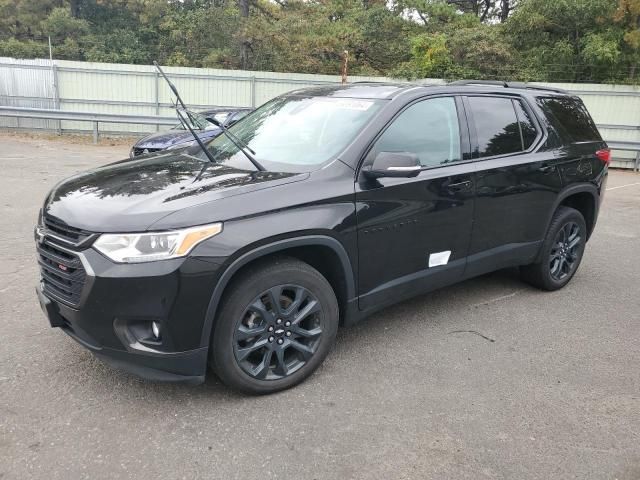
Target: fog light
pixel 155 329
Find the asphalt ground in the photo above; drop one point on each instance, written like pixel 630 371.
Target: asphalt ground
pixel 487 379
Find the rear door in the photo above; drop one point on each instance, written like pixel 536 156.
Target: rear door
pixel 516 182
pixel 413 233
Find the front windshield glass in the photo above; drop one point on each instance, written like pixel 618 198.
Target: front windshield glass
pixel 295 134
pixel 220 117
pixel 197 121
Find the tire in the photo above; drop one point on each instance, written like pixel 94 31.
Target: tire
pixel 559 259
pixel 262 345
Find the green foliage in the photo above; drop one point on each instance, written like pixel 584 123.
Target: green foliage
pixel 627 17
pixel 568 40
pixel 600 49
pixel 60 25
pixel 430 57
pixel 560 40
pixel 119 46
pixel 23 49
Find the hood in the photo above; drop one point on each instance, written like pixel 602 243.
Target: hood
pixel 162 140
pixel 131 195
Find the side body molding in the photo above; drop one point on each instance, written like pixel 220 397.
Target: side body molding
pixel 309 240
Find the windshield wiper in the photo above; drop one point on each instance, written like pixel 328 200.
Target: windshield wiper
pixel 181 117
pixel 238 143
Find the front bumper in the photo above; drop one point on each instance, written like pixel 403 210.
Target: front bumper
pixel 118 303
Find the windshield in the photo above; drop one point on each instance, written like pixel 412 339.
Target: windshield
pixel 197 121
pixel 220 117
pixel 295 134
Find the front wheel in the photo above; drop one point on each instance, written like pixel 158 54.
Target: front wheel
pixel 562 251
pixel 276 326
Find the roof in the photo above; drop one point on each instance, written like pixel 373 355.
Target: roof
pixel 387 90
pixel 372 90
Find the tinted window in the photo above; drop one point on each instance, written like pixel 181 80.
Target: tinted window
pixel 569 117
pixel 496 126
pixel 529 133
pixel 428 128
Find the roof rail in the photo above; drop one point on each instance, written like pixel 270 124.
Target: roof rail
pixel 501 83
pixel 535 87
pixel 494 83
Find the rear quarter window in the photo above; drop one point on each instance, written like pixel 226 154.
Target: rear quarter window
pixel 570 118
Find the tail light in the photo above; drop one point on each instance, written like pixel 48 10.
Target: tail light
pixel 604 155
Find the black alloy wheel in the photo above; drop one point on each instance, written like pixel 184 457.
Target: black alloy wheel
pixel 561 251
pixel 565 252
pixel 278 332
pixel 277 323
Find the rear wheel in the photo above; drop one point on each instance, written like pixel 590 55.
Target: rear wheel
pixel 276 326
pixel 562 251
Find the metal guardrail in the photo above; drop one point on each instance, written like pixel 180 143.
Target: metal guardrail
pixel 96 118
pixel 630 147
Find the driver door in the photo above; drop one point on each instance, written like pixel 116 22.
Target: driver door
pixel 414 233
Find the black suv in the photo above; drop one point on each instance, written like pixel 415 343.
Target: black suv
pixel 353 198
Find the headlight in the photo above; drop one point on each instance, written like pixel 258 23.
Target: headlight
pixel 182 145
pixel 148 247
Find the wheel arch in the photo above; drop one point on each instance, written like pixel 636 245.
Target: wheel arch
pixel 339 273
pixel 584 197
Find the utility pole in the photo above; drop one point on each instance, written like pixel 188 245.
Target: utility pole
pixel 345 66
pixel 56 93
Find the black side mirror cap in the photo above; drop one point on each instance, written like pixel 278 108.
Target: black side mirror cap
pixel 393 164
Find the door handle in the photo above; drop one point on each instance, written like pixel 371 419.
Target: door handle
pixel 547 169
pixel 460 186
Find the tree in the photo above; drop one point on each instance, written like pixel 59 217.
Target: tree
pixel 59 24
pixel 628 16
pixel 560 40
pixel 569 40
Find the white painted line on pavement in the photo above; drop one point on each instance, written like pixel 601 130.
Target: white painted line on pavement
pixel 622 186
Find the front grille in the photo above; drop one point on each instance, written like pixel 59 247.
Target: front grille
pixel 63 231
pixel 63 275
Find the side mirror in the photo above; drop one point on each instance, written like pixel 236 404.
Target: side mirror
pixel 394 164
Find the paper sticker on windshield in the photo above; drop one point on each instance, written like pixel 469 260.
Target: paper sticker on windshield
pixel 353 104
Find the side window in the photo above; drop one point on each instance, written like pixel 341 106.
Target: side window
pixel 496 125
pixel 570 119
pixel 529 133
pixel 428 128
